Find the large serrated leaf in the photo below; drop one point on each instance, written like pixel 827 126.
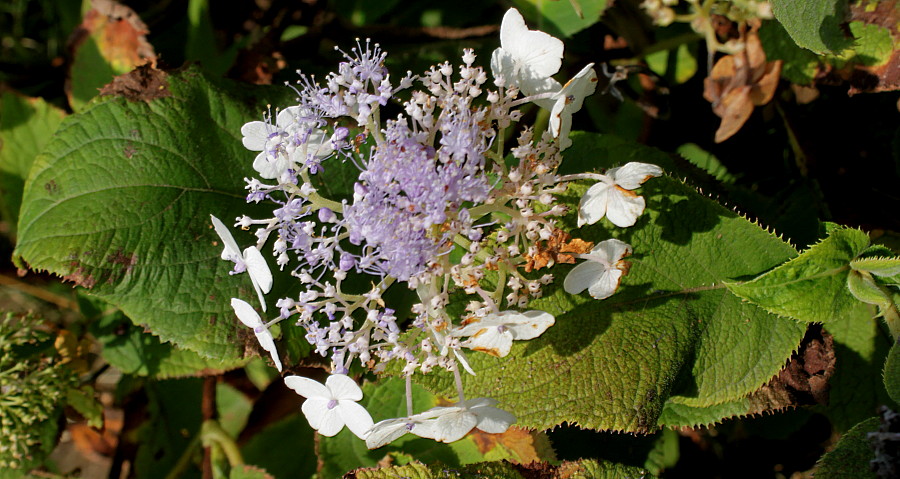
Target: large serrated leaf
pixel 26 125
pixel 581 469
pixel 119 202
pixel 673 333
pixel 813 286
pixel 814 24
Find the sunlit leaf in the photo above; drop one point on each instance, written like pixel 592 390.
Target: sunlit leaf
pixel 814 24
pixel 119 203
pixel 813 286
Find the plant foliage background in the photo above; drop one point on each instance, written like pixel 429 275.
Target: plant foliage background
pixel 743 342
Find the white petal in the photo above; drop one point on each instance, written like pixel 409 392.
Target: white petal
pixel 531 324
pixel 611 251
pixel 258 268
pixel 270 168
pixel 606 284
pixel 355 417
pixel 286 117
pixel 634 173
pixel 537 50
pixel 327 421
pixel 493 421
pixel 386 431
pixel 583 276
pixel 255 135
pixel 477 403
pixel 342 387
pixel 503 66
pixel 593 204
pixel 307 387
pixel 267 341
pixel 230 245
pixel 490 340
pixel 448 428
pixel 245 313
pixel 624 207
pixel 462 360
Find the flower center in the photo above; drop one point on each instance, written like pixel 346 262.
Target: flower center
pixel 332 404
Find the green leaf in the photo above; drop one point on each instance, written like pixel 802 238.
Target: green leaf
pixel 850 457
pixel 174 419
pixel 892 373
pixel 672 333
pixel 799 64
pixel 877 266
pixel 863 287
pixel 284 448
pixel 134 351
pixel 233 408
pixel 560 18
pixel 706 161
pixel 813 286
pixel 860 349
pixel 814 24
pixel 249 472
pixel 119 203
pixel 26 125
pixel 82 400
pixel 681 61
pixel 585 468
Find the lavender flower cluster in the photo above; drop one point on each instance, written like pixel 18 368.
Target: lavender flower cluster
pixel 434 209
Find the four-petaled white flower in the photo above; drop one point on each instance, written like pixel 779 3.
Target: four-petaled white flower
pixel 526 58
pixel 613 197
pixel 450 424
pixel 602 271
pixel 331 406
pixel 248 316
pixel 251 260
pixel 494 333
pixel 284 144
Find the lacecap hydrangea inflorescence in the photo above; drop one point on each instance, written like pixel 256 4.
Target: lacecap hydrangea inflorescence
pixel 435 209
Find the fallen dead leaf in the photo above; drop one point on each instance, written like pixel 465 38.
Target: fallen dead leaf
pixel 740 81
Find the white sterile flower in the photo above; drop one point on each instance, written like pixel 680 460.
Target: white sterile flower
pixel 248 316
pixel 568 101
pixel 331 406
pixel 494 333
pixel 284 144
pixel 526 58
pixel 387 431
pixel 602 271
pixel 612 197
pixel 452 423
pixel 250 260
